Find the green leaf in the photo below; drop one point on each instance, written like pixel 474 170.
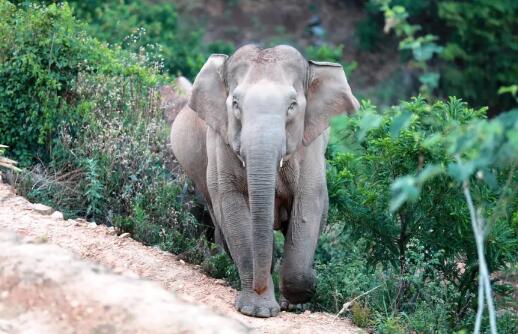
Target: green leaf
pixel 489 178
pixel 425 52
pixel 367 123
pixel 429 172
pixel 430 79
pixel 461 171
pixel 432 140
pixel 399 123
pixel 453 51
pixel 406 189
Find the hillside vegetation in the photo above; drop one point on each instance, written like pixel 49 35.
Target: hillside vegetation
pixel 408 184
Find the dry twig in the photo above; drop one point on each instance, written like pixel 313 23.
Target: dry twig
pixel 349 303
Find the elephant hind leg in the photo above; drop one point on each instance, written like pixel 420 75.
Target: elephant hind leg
pixel 219 238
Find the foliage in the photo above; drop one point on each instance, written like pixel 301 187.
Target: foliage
pixel 41 51
pixel 156 26
pixel 481 50
pixel 368 29
pixel 418 244
pixel 220 265
pixel 480 148
pixel 134 24
pixel 327 52
pixel 478 40
pixel 105 142
pixel 423 47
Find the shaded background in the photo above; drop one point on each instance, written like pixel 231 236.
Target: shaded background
pixel 478 39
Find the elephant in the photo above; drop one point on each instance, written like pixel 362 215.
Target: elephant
pixel 252 138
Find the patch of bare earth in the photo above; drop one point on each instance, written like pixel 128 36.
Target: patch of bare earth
pixel 132 260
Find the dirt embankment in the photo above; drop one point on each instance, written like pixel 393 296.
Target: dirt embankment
pixel 46 289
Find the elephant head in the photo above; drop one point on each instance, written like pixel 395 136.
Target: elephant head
pixel 265 104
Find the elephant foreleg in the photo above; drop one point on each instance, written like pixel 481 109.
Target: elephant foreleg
pixel 237 230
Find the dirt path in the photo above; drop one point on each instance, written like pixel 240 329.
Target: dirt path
pixel 125 256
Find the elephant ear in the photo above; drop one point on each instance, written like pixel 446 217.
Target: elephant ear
pixel 328 94
pixel 209 94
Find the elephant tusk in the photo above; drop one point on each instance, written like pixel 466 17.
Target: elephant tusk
pixel 280 163
pixel 242 161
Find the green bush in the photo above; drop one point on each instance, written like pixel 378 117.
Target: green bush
pixel 220 265
pixel 42 50
pixel 135 24
pixel 91 114
pixel 157 27
pixel 479 44
pixel 480 50
pixel 368 29
pixel 413 251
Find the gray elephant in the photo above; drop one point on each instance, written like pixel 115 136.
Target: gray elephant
pixel 253 139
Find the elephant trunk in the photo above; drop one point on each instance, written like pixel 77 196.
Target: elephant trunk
pixel 263 155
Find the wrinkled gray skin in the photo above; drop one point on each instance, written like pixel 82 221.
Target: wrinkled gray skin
pixel 260 161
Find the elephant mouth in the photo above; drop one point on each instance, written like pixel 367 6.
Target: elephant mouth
pixel 282 162
pixel 285 160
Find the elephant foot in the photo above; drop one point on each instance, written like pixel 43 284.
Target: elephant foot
pixel 254 305
pixel 298 287
pixel 287 306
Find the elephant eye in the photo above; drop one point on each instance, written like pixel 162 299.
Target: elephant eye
pixel 292 106
pixel 235 109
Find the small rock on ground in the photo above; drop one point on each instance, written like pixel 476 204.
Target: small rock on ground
pixel 124 235
pixel 41 208
pixel 57 215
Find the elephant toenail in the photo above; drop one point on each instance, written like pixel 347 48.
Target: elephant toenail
pixel 262 312
pixel 247 309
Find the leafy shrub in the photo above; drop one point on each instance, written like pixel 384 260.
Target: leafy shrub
pixel 220 265
pixel 42 49
pixel 414 250
pixel 368 29
pixel 361 315
pixel 157 27
pixel 479 47
pixel 104 139
pixel 488 150
pixel 421 47
pixel 481 50
pixel 135 24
